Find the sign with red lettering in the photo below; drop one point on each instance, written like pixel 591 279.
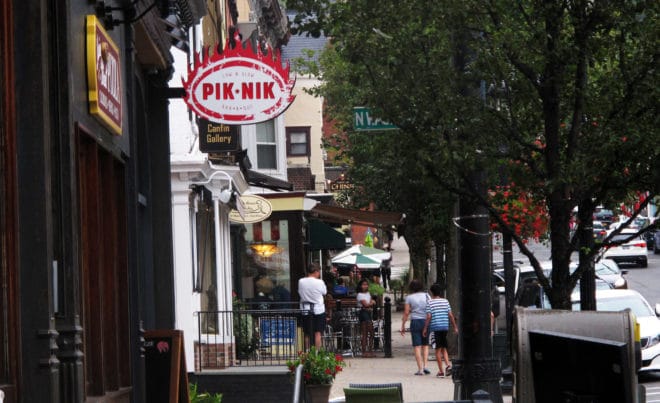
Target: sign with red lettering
pixel 239 86
pixel 103 76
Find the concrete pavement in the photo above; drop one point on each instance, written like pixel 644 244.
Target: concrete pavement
pixel 400 368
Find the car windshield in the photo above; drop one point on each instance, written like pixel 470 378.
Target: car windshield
pixel 616 304
pixel 603 268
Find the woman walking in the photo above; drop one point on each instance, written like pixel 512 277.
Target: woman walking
pixel 415 308
pixel 366 318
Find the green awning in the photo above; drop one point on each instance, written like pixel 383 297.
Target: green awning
pixel 323 236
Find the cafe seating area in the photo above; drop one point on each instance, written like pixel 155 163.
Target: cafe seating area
pixel 343 335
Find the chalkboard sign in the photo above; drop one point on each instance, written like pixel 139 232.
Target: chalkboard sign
pixel 165 366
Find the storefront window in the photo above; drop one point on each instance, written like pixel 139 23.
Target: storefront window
pixel 263 274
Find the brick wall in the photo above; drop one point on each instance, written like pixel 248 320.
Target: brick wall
pixel 214 356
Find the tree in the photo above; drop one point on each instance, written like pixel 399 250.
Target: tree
pixel 567 107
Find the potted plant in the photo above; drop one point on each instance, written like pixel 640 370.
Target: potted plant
pixel 319 370
pixel 205 397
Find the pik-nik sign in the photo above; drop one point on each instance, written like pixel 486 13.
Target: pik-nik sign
pixel 238 86
pixel 363 120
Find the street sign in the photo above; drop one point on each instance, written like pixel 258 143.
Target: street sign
pixel 364 120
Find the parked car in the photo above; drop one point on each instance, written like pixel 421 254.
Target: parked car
pixel 631 250
pixel 604 215
pixel 600 230
pixel 608 270
pixel 647 317
pixel 649 237
pixel 618 300
pixel 656 242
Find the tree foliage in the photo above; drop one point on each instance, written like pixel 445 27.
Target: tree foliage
pixel 559 97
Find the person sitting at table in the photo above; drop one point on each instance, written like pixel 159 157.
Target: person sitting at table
pixel 340 288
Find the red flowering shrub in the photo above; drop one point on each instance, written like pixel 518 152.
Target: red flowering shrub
pixel 519 211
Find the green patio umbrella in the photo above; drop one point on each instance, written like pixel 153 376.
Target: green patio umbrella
pixel 361 261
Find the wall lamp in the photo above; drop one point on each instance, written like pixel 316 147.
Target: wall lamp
pixel 226 195
pixel 235 179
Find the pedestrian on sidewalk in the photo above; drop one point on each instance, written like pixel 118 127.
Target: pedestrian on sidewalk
pixel 312 291
pixel 386 272
pixel 366 304
pixel 415 308
pixel 438 317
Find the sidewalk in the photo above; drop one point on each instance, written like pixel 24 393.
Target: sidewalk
pixel 400 368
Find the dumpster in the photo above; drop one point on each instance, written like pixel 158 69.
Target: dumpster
pixel 544 339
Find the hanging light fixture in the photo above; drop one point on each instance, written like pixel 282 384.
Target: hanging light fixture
pixel 265 249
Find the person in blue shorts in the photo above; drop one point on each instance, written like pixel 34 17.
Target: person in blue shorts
pixel 438 318
pixel 415 308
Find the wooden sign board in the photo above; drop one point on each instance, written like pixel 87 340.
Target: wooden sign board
pixel 165 366
pixel 217 137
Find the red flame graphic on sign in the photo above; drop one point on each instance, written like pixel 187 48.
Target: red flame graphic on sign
pixel 239 85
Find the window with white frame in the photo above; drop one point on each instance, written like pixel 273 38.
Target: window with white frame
pixel 266 145
pixel 297 141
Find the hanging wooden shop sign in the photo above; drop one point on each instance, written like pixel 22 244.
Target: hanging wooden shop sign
pixel 103 76
pixel 218 137
pixel 239 86
pixel 250 209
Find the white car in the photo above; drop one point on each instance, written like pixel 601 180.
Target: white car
pixel 632 251
pixel 608 270
pixel 647 317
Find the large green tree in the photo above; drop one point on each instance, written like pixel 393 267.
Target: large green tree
pixel 558 97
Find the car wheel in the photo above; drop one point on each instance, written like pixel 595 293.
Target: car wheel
pixel 644 263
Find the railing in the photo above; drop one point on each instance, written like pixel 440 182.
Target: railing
pixel 271 333
pixel 297 385
pixel 256 335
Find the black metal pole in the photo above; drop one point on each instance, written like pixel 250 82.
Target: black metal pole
pixel 587 243
pixel 476 369
pixel 509 291
pixel 387 328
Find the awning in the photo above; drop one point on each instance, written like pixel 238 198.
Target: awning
pixel 258 179
pixel 361 217
pixel 323 236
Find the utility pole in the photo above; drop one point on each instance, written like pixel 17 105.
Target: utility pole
pixel 476 369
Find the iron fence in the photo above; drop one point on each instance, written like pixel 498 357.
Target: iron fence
pixel 256 334
pixel 271 333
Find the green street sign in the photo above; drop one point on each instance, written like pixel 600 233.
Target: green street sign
pixel 363 120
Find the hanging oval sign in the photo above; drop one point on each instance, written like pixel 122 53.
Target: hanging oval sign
pixel 239 86
pixel 250 209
